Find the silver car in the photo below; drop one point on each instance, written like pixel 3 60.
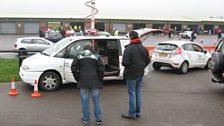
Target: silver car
pixel 32 44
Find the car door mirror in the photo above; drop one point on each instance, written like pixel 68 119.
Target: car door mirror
pixel 205 51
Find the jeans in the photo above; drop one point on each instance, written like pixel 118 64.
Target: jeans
pixel 85 94
pixel 135 96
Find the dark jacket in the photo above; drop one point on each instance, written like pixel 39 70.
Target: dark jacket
pixel 88 69
pixel 135 60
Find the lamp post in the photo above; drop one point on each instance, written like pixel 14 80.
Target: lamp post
pixel 93 14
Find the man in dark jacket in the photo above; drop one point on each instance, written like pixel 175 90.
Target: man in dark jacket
pixel 88 69
pixel 135 60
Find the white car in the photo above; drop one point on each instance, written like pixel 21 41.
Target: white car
pixel 32 44
pixel 185 34
pixel 52 67
pixel 180 55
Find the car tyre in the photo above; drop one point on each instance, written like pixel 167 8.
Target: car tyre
pixel 217 63
pixel 49 81
pixel 183 68
pixel 208 65
pixel 156 66
pixel 22 53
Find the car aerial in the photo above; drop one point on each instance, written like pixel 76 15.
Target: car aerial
pixel 180 55
pixel 55 66
pixel 217 65
pixel 32 44
pixel 53 36
pixel 185 34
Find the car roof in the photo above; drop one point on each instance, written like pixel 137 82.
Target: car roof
pixel 34 38
pixel 98 37
pixel 178 43
pixel 30 38
pixel 187 31
pixel 75 38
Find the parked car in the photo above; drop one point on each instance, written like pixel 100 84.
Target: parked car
pixel 185 34
pixel 32 44
pixel 103 33
pixel 55 66
pixel 217 65
pixel 53 36
pixel 180 55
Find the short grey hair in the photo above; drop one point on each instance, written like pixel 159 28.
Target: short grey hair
pixel 88 46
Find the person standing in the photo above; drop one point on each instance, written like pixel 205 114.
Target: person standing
pixel 193 35
pixel 88 69
pixel 170 33
pixel 135 60
pixel 115 32
pixel 219 33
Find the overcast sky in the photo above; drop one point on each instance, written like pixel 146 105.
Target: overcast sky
pixel 117 8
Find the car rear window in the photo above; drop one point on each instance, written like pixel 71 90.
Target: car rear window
pixel 166 46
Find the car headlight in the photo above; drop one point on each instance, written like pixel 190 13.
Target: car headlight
pixel 25 67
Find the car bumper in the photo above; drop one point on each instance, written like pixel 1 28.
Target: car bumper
pixel 29 77
pixel 174 63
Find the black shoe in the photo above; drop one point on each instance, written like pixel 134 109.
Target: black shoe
pixel 99 122
pixel 126 116
pixel 138 115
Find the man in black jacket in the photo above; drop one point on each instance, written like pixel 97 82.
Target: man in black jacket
pixel 88 69
pixel 135 60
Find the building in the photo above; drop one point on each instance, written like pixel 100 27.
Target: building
pixel 30 24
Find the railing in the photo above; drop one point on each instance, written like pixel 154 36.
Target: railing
pixel 22 54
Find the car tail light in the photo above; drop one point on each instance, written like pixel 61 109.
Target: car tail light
pixel 178 51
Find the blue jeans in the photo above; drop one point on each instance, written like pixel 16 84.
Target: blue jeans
pixel 85 94
pixel 135 96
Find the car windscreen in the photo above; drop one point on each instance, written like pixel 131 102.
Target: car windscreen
pixel 57 46
pixel 166 46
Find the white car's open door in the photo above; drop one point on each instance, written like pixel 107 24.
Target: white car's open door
pixel 144 33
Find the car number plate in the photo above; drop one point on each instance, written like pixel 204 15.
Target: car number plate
pixel 163 54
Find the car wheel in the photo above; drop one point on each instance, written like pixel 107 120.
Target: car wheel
pixel 208 65
pixel 217 63
pixel 156 66
pixel 183 68
pixel 49 81
pixel 23 53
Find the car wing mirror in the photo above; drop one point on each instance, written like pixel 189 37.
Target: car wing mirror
pixel 205 51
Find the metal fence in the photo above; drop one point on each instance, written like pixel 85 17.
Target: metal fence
pixel 22 54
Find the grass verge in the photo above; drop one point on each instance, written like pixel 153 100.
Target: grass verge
pixel 9 68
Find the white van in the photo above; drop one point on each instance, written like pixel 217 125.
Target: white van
pixel 52 67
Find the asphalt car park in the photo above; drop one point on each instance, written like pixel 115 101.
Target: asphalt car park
pixel 169 99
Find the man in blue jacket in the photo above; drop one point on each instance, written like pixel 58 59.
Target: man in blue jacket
pixel 135 60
